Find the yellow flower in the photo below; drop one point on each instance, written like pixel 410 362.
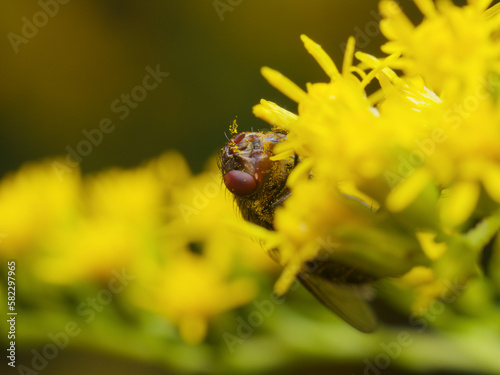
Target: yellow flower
pixel 167 228
pixel 119 208
pixel 456 53
pixel 452 49
pixel 427 162
pixel 33 202
pixel 193 289
pixel 345 140
pixel 192 277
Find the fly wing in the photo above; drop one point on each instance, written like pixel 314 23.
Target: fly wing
pixel 348 301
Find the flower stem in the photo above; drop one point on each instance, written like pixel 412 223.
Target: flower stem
pixel 483 232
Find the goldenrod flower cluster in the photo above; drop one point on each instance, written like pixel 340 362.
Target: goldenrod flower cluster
pixel 158 223
pixel 423 150
pixel 401 181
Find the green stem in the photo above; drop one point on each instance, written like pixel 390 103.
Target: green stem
pixel 483 232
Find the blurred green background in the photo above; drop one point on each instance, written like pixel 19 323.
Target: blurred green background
pixel 64 79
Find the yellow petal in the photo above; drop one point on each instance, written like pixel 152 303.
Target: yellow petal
pixel 300 172
pixel 379 67
pixel 417 276
pixel 394 25
pixel 348 55
pixel 491 12
pixel 286 278
pixel 431 248
pixel 321 57
pixel 193 329
pixel 426 7
pixel 459 204
pixel 480 5
pixel 349 188
pixel 274 114
pixel 491 182
pixel 283 84
pixel 407 191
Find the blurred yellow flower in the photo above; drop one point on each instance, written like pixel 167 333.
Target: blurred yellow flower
pixel 167 228
pixel 33 203
pixel 193 278
pixel 119 209
pixel 192 289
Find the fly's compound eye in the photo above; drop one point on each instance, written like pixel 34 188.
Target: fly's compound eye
pixel 240 183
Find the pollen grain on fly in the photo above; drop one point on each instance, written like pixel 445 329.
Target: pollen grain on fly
pixel 233 128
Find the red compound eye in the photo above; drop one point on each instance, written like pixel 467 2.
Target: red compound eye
pixel 240 183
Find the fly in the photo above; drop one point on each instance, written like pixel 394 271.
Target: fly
pixel 259 187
